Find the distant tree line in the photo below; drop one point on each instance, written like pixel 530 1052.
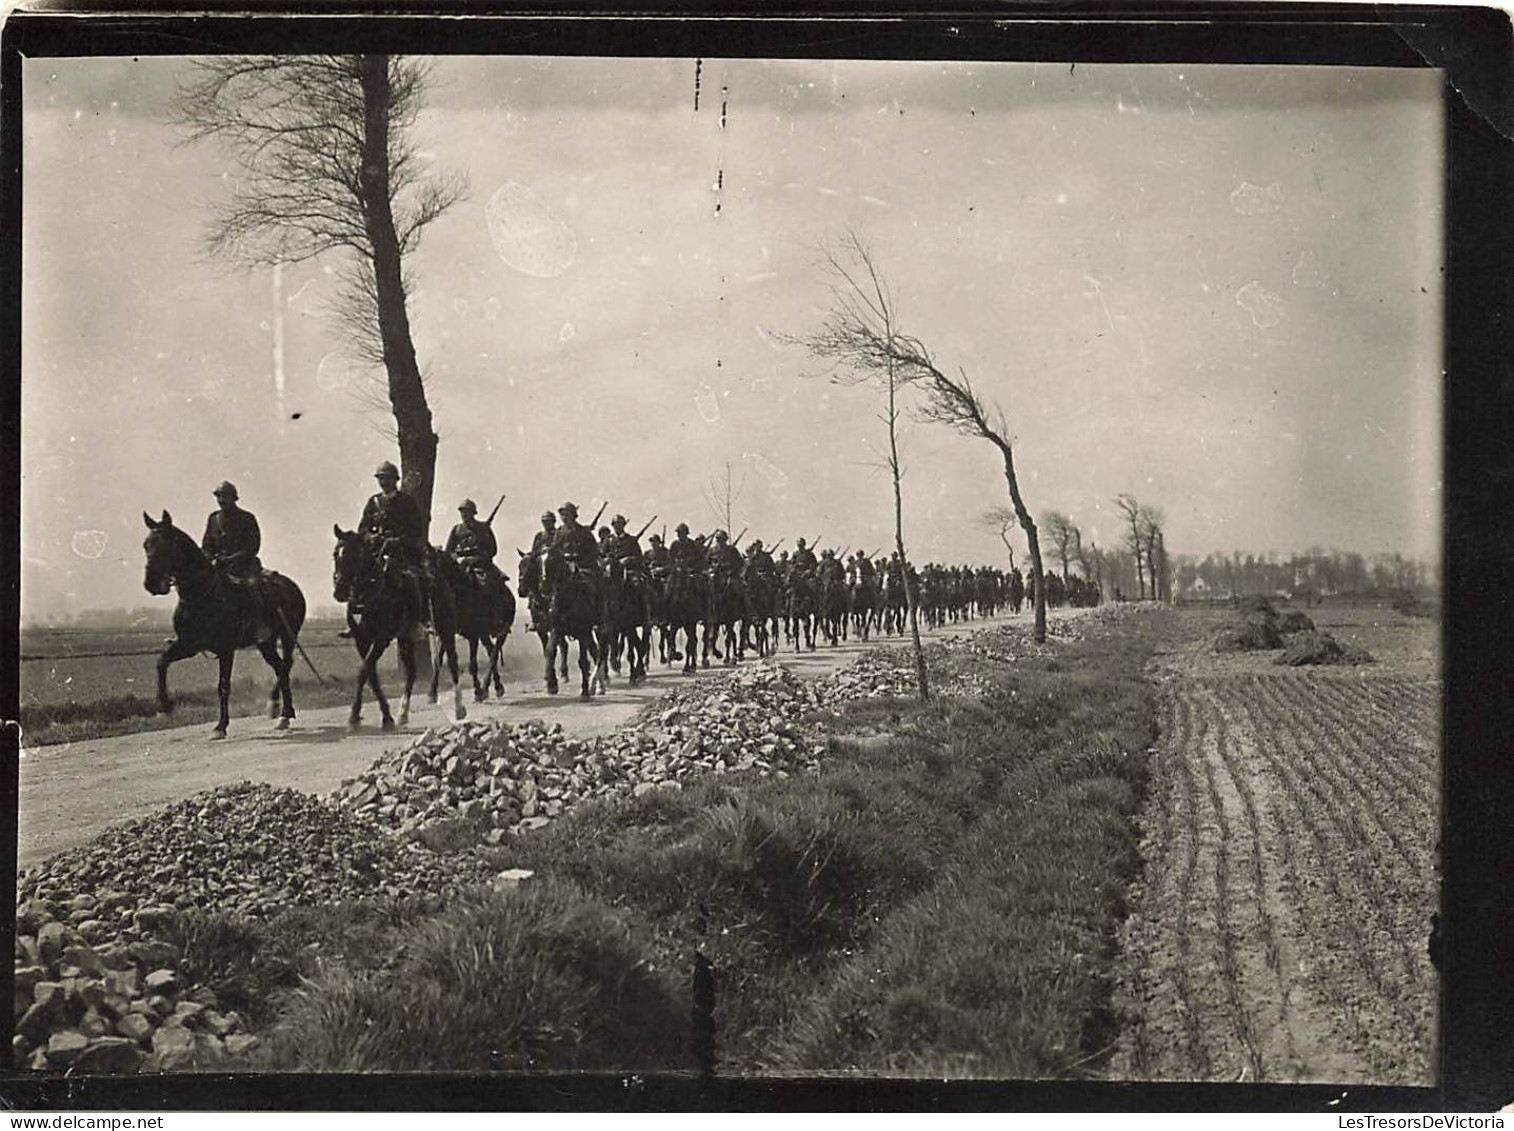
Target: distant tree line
pixel 1137 568
pixel 1312 574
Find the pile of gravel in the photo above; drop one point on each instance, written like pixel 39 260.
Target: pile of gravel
pixel 97 988
pixel 118 1005
pixel 485 781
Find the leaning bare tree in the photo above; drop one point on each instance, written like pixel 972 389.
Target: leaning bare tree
pixel 875 344
pixel 859 336
pixel 326 164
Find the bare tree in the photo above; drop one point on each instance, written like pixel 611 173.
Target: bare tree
pixel 859 336
pixel 722 500
pixel 1063 534
pixel 1150 521
pixel 863 331
pixel 326 164
pixel 1001 519
pixel 1135 536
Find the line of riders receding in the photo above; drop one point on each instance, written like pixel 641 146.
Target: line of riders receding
pixel 395 530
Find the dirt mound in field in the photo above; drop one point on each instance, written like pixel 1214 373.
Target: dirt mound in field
pixel 1294 621
pixel 1309 648
pixel 1255 634
pixel 1251 608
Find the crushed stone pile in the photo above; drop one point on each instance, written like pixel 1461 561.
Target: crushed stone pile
pixel 485 781
pixel 97 988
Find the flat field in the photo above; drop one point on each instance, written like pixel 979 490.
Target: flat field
pixel 1281 928
pixel 78 684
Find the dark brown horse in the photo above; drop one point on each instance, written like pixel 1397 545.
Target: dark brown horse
pixel 540 608
pixel 575 609
pixel 212 616
pixel 628 618
pixel 380 610
pixel 483 616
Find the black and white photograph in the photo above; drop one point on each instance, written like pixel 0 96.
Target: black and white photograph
pixel 723 566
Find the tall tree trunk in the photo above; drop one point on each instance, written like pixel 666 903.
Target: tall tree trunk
pixel 1032 539
pixel 921 679
pixel 407 393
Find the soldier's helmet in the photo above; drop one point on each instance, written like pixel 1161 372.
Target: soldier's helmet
pixel 827 553
pixel 801 543
pixel 604 532
pixel 568 510
pixel 656 539
pixel 468 506
pixel 548 517
pixel 721 535
pixel 617 522
pixel 755 546
pixel 227 490
pixel 681 528
pixel 386 470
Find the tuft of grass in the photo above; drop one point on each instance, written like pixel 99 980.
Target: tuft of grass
pixel 536 978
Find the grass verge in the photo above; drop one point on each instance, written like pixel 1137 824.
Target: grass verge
pixel 940 900
pixel 52 724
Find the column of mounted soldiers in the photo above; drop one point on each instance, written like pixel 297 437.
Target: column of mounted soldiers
pixel 675 587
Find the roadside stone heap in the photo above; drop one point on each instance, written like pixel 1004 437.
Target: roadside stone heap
pixel 97 982
pixel 117 1005
pixel 484 781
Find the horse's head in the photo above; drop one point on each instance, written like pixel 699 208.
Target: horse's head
pixel 350 561
pixel 164 547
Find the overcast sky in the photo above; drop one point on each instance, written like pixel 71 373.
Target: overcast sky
pixel 1218 288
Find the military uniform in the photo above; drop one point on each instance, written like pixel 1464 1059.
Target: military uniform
pixel 232 541
pixel 472 543
pixel 760 564
pixel 627 548
pixel 685 553
pixel 725 560
pixel 395 518
pixel 803 560
pixel 578 545
pixel 392 523
pixel 658 558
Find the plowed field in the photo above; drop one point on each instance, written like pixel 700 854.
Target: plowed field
pixel 1280 931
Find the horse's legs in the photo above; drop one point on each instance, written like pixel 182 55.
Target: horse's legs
pixel 223 690
pixel 434 646
pixel 176 650
pixel 549 648
pixel 405 643
pixel 449 648
pixel 270 653
pixel 479 693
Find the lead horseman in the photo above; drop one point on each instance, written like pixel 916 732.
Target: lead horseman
pixel 231 542
pixel 393 525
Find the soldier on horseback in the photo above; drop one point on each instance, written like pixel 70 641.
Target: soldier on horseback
pixel 393 525
pixel 472 545
pixel 579 550
pixel 627 547
pixel 657 557
pixel 804 559
pixel 231 542
pixel 685 552
pixel 725 559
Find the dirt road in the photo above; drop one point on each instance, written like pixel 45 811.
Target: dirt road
pixel 70 792
pixel 1281 929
